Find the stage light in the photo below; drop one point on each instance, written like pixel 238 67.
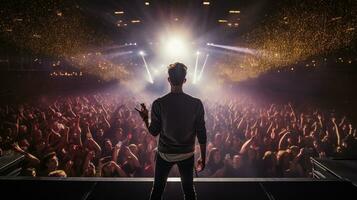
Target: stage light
pixel 234 11
pixel 203 67
pixel 141 53
pixel 195 72
pixel 222 21
pixel 175 44
pixel 236 49
pixel 116 54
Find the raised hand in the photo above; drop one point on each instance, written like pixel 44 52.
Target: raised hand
pixel 17 148
pixel 144 113
pixel 333 119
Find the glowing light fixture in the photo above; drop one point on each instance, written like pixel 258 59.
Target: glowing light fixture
pixel 234 11
pixel 175 47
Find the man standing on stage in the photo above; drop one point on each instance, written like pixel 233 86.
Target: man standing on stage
pixel 178 118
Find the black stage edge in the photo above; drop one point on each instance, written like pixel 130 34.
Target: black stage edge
pixel 337 168
pixel 207 188
pixel 10 165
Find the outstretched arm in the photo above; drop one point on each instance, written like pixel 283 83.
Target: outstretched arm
pixel 292 111
pixel 33 160
pixel 336 131
pixel 283 139
pixel 246 145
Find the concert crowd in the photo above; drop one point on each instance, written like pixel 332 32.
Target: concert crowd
pixel 101 135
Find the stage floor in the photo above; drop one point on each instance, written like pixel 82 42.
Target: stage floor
pixel 344 169
pixel 207 188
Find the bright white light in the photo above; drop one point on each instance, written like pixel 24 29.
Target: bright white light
pixel 175 47
pixel 234 11
pixel 155 71
pixel 116 54
pixel 146 67
pixel 119 12
pixel 195 72
pixel 236 48
pixel 203 67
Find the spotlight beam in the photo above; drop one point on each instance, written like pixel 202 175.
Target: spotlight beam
pixel 116 47
pixel 195 72
pixel 203 67
pixel 117 54
pixel 147 68
pixel 235 48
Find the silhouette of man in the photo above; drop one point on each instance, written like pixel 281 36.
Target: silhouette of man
pixel 178 119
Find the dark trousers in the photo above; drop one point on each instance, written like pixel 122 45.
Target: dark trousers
pixel 162 170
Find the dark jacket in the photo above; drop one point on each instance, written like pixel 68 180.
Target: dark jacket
pixel 178 118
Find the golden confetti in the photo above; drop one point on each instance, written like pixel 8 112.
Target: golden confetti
pixel 298 32
pixel 58 29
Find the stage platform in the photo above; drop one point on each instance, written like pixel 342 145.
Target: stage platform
pixel 207 188
pixel 340 168
pixel 10 165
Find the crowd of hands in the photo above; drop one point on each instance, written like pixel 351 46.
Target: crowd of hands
pixel 103 135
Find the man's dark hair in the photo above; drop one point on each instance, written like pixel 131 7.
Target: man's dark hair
pixel 177 73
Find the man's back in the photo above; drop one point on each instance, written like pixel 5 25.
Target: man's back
pixel 178 118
